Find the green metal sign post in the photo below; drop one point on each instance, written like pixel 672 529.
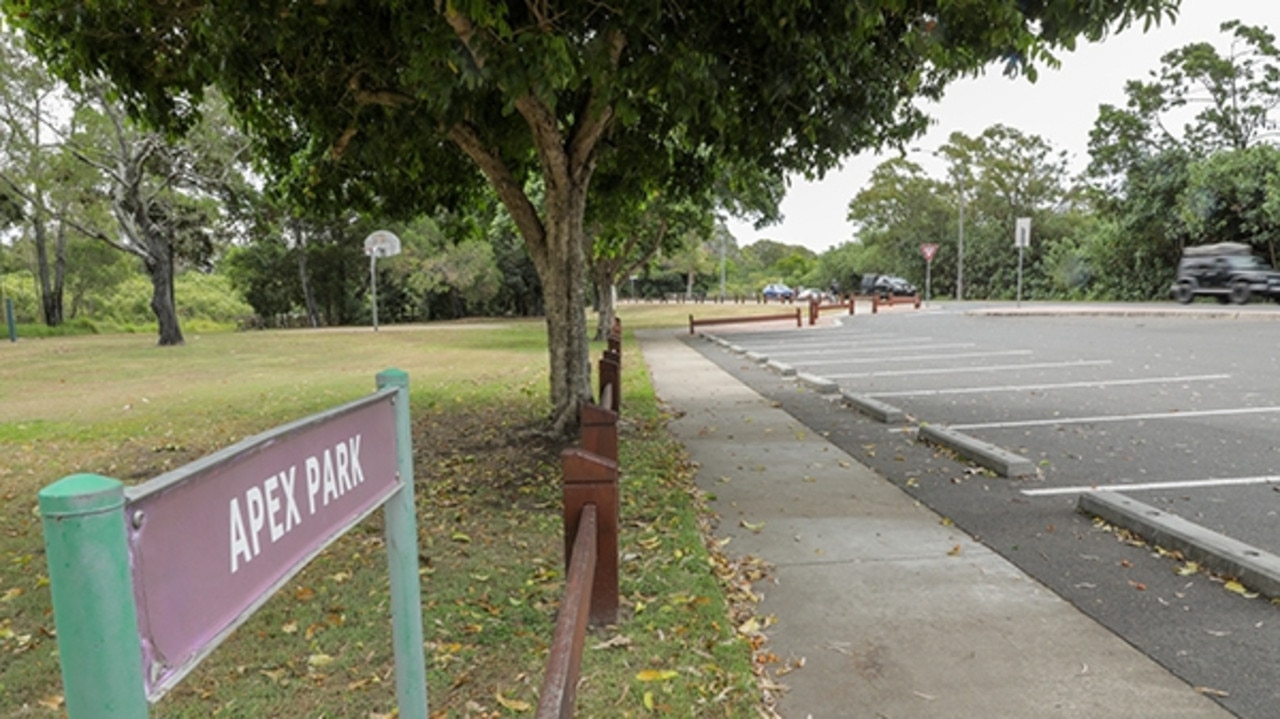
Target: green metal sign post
pixel 402 561
pixel 116 654
pixel 88 554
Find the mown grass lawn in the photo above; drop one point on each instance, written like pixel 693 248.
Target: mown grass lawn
pixel 488 496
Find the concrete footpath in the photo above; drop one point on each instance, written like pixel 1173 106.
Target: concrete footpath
pixel 896 614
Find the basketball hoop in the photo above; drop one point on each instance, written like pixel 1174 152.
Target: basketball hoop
pixel 378 244
pixel 381 244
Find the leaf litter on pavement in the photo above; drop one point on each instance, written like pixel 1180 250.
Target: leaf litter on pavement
pixel 1183 566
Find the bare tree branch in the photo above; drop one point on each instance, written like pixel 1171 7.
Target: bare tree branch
pixel 90 232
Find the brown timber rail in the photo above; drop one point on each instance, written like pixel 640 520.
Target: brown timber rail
pixel 892 300
pixel 816 308
pixel 558 695
pixel 795 315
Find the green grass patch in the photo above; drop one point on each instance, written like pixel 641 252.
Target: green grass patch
pixel 490 530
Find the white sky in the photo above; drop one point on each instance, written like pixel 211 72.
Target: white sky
pixel 1060 107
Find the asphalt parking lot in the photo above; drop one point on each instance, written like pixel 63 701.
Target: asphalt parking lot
pixel 1177 408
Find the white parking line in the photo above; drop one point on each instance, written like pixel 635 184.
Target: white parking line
pixel 845 344
pixel 1059 385
pixel 845 352
pixel 935 356
pixel 989 368
pixel 1171 414
pixel 1189 484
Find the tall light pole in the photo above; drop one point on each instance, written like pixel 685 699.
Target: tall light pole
pixel 960 242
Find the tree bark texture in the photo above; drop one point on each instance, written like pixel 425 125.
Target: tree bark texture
pixel 59 272
pixel 50 277
pixel 564 290
pixel 163 304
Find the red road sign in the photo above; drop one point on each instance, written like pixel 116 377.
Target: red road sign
pixel 928 250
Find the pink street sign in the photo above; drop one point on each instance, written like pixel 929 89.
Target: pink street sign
pixel 213 540
pixel 928 249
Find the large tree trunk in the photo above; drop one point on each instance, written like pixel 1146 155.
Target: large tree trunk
pixel 557 241
pixel 160 267
pixel 50 287
pixel 60 270
pixel 50 290
pixel 564 292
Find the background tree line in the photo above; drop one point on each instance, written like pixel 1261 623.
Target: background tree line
pixel 1190 159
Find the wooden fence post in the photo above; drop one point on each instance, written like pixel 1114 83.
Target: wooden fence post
pixel 599 430
pixel 592 479
pixel 615 336
pixel 611 380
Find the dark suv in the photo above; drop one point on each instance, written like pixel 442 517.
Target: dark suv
pixel 886 286
pixel 1228 271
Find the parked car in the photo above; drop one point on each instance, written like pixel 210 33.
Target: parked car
pixel 809 294
pixel 886 285
pixel 1228 271
pixel 777 291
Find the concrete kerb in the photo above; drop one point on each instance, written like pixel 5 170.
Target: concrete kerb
pixel 1094 310
pixel 998 460
pixel 781 368
pixel 757 357
pixel 821 385
pixel 873 408
pixel 1254 568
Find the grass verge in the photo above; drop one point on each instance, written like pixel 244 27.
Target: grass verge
pixel 489 525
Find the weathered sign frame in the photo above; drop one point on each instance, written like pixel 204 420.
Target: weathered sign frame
pixel 126 635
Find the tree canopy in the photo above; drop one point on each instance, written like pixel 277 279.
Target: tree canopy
pixel 394 105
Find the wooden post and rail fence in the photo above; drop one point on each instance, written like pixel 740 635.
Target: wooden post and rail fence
pixel 815 310
pixel 591 507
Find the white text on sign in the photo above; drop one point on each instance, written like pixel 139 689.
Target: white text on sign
pixel 274 504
